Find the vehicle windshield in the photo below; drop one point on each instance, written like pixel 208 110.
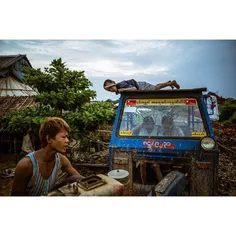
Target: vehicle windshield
pixel 162 117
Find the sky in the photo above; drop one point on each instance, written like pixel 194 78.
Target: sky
pixel 192 63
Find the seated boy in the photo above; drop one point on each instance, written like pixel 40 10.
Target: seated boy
pixel 37 172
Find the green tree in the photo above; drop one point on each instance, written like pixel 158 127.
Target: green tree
pixel 59 87
pixel 62 93
pixel 228 111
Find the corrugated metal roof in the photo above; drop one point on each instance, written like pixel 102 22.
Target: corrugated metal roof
pixel 10 86
pixel 8 60
pixel 8 103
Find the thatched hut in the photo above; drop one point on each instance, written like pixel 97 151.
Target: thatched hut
pixel 14 95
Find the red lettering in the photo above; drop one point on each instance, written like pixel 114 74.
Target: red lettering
pixel 157 144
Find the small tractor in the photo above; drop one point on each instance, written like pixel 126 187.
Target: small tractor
pixel 181 162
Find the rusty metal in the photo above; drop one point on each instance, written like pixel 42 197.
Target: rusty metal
pixel 121 161
pixel 164 184
pixel 204 165
pixel 91 182
pixel 75 188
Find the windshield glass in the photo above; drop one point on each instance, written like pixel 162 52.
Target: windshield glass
pixel 162 117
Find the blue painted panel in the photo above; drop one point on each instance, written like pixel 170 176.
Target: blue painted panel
pixel 17 69
pixel 159 145
pixel 206 115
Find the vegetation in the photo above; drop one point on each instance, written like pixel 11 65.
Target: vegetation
pixel 63 93
pixel 228 111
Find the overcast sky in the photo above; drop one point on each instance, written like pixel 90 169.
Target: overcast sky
pixel 192 63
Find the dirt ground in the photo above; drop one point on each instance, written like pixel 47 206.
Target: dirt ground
pixel 226 139
pixel 6 183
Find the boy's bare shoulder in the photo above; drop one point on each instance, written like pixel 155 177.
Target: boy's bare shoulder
pixel 62 157
pixel 25 161
pixel 25 165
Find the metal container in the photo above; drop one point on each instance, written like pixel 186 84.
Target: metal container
pixel 100 185
pixel 120 175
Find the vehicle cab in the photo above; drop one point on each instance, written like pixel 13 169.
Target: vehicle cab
pixel 156 132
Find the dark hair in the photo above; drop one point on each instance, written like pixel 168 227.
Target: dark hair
pixel 167 118
pixel 51 127
pixel 148 120
pixel 108 81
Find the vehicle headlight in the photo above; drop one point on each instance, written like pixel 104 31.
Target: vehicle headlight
pixel 208 143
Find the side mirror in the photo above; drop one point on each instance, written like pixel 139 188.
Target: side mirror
pixel 210 104
pixel 212 107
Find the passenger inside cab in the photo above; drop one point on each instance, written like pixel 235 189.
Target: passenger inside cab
pixel 168 128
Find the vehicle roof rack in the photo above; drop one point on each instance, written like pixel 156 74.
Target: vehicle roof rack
pixel 168 90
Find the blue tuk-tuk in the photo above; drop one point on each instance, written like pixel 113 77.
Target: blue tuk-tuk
pixel 165 140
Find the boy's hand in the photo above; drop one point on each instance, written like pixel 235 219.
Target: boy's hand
pixel 74 178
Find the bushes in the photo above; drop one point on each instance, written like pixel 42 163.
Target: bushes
pixel 232 119
pixel 228 111
pixel 63 93
pixel 81 121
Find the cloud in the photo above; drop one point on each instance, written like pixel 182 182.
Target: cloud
pixel 191 62
pixel 82 45
pixel 114 68
pixel 96 57
pixel 138 47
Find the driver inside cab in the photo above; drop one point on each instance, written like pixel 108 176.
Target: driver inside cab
pixel 146 128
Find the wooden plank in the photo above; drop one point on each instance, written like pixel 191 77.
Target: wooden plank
pixel 92 165
pixel 105 131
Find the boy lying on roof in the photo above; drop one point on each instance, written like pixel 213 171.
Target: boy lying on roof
pixel 133 85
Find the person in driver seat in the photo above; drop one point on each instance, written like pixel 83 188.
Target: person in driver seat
pixel 146 128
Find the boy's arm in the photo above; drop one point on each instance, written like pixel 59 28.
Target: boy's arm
pixel 22 176
pixel 70 170
pixel 136 130
pixel 127 89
